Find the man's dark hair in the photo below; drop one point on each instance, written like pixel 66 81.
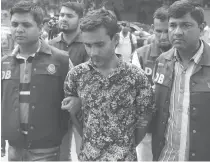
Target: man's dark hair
pixel 100 18
pixel 161 13
pixel 77 7
pixel 28 7
pixel 182 7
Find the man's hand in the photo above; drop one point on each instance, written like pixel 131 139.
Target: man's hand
pixel 70 103
pixel 73 106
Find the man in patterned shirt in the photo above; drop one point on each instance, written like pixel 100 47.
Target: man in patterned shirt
pixel 116 97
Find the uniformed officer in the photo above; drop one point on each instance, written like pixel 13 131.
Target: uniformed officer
pixel 32 90
pixel 145 58
pixel 149 53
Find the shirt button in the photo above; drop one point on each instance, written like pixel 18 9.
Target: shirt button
pixel 194 131
pixel 34 86
pixel 34 69
pixel 33 107
pixel 31 127
pixel 193 154
pixel 194 108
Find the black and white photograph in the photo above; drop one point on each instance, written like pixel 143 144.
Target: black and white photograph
pixel 105 80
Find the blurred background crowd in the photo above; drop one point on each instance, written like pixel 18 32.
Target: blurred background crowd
pixel 136 14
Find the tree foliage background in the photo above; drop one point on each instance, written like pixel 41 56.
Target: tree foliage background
pixel 55 4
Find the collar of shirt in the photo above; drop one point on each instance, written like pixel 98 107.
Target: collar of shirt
pixel 117 70
pixel 155 50
pixel 43 48
pixel 18 56
pixel 60 38
pixel 196 58
pixel 122 36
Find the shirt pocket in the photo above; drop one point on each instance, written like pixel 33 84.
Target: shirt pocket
pixel 47 84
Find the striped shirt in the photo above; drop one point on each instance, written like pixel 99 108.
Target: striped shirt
pixel 24 88
pixel 177 135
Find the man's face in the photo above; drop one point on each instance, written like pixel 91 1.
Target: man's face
pixel 24 28
pixel 68 20
pixel 161 32
pixel 99 46
pixel 125 28
pixel 184 32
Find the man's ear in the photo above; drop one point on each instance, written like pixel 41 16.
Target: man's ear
pixel 201 27
pixel 40 27
pixel 116 38
pixel 151 28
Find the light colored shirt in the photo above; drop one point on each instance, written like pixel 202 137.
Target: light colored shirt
pixel 206 34
pixel 177 135
pixel 135 59
pixel 124 47
pixel 24 88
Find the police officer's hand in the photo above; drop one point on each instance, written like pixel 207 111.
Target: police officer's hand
pixel 71 102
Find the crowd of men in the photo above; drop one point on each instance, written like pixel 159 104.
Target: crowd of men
pixel 121 102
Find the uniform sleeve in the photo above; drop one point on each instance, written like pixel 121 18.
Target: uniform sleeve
pixel 145 102
pixel 70 87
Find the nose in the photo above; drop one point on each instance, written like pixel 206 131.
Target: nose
pixel 164 36
pixel 93 51
pixel 63 17
pixel 19 29
pixel 178 31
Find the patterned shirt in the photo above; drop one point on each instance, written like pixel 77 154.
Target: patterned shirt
pixel 177 136
pixel 112 108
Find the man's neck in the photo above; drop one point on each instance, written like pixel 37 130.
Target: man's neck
pixel 110 66
pixel 69 37
pixel 187 54
pixel 27 50
pixel 165 48
pixel 124 34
